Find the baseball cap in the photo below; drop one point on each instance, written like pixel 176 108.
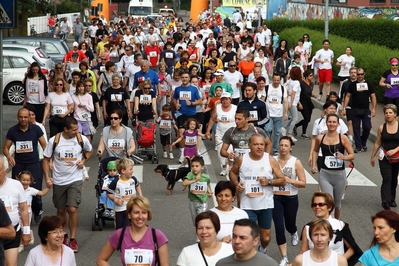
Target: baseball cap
pixel 111 165
pixel 141 79
pixel 225 95
pixel 219 72
pixel 75 44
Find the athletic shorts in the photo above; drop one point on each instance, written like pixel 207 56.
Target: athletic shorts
pixel 67 195
pixel 166 139
pixel 325 75
pixel 15 242
pixel 263 217
pixel 343 78
pixel 349 114
pixel 181 120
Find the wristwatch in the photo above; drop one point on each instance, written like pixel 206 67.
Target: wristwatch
pixel 269 182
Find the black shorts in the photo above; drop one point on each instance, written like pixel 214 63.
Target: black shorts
pixel 181 120
pixel 349 114
pixel 15 242
pixel 166 139
pixel 343 78
pixel 121 220
pixel 200 118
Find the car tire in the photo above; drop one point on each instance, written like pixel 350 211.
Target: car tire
pixel 14 93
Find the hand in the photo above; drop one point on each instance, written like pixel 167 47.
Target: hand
pixel 226 239
pixel 231 156
pixel 390 152
pixel 82 105
pixel 118 202
pixel 373 113
pixel 263 181
pixel 372 163
pixel 178 106
pixel 25 239
pixel 11 161
pixel 285 117
pixel 80 164
pixel 188 103
pixel 240 187
pixel 49 182
pixel 208 135
pixel 105 115
pixel 99 153
pixel 388 86
pixel 343 112
pixel 44 122
pixel 210 194
pixel 314 170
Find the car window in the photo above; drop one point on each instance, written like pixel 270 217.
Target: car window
pixel 16 49
pixel 19 62
pixel 49 48
pixel 6 63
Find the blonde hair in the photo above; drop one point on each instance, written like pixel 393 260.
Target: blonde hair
pixel 140 201
pixel 123 164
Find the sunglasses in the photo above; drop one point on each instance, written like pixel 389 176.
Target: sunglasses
pixel 147 88
pixel 360 74
pixel 394 65
pixel 320 204
pixel 58 68
pixel 232 65
pixel 58 84
pixel 114 118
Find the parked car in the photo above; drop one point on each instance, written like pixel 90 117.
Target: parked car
pixel 15 65
pixel 152 17
pixel 166 12
pixel 54 47
pixel 37 53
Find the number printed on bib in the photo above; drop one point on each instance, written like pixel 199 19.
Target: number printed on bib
pixel 285 190
pixel 138 257
pixel 116 144
pixel 127 192
pixel 68 155
pixel 198 188
pixel 106 184
pixel 33 88
pixel 332 162
pixel 165 124
pixel 253 188
pixel 362 87
pixel 7 200
pixel 253 115
pixel 145 99
pixel 116 97
pixel 59 110
pixel 394 81
pixel 185 95
pixel 240 152
pixel 191 140
pixel 84 115
pixel 24 146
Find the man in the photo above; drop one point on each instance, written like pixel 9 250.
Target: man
pixel 257 108
pixel 246 37
pixel 361 90
pixel 153 53
pixel 281 66
pixel 131 70
pixel 139 37
pixel 205 31
pixel 77 29
pixel 103 20
pixel 100 32
pixel 254 174
pixel 25 137
pixel 178 35
pixel 238 136
pixel 260 37
pixel 186 97
pixel 128 35
pixel 51 26
pixel 92 32
pixel 74 50
pixel 147 73
pixel 101 44
pixel 153 35
pixel 219 74
pixel 277 106
pixel 68 157
pixel 127 60
pixel 235 79
pixel 325 58
pixel 7 231
pixel 227 22
pixel 65 28
pixel 245 241
pixel 236 17
pixel 268 38
pixel 342 94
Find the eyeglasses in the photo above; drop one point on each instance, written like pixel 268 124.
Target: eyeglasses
pixel 57 232
pixel 88 85
pixel 232 65
pixel 59 84
pixel 320 204
pixel 394 65
pixel 146 88
pixel 360 74
pixel 127 50
pixel 103 59
pixel 58 68
pixel 114 118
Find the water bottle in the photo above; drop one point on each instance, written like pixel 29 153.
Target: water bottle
pixel 340 162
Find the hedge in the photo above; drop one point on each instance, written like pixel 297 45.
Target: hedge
pixel 374 59
pixel 377 31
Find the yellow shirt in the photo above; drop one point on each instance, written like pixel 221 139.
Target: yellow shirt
pixel 218 66
pixel 100 47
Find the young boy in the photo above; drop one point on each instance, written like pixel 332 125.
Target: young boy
pixel 200 189
pixel 108 204
pixel 122 189
pixel 166 122
pixel 168 56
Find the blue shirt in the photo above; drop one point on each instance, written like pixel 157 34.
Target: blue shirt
pixel 181 94
pixel 150 74
pixel 372 257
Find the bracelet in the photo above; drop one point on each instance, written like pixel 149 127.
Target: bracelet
pixel 26 230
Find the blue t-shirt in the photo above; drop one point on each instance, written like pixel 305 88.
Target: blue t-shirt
pixel 190 93
pixel 150 74
pixel 372 257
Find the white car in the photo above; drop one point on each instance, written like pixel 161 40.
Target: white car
pixel 15 65
pixel 37 53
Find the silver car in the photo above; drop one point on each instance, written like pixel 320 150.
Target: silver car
pixel 37 53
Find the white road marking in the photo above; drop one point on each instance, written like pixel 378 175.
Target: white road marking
pixel 354 179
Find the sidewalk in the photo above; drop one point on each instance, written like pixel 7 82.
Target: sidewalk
pixel 375 121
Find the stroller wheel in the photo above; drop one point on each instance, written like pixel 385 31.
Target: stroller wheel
pixel 100 224
pixel 93 224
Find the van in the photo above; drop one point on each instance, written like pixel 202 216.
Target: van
pixel 166 12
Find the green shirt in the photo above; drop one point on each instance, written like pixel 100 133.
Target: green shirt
pixel 225 86
pixel 198 191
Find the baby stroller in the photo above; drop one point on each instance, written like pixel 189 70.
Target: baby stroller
pixel 146 141
pixel 99 218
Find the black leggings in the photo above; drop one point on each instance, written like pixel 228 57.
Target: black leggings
pixel 56 125
pixel 389 173
pixel 307 114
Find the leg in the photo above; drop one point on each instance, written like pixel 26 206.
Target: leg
pixel 37 173
pixel 265 223
pixel 394 182
pixel 278 219
pixel 62 215
pixel 339 183
pixel 366 126
pixel 290 213
pixel 294 119
pixel 356 132
pixel 387 180
pixel 269 127
pixel 73 202
pixel 278 124
pixel 73 220
pixel 11 249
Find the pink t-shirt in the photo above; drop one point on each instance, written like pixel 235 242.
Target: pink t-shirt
pixel 146 242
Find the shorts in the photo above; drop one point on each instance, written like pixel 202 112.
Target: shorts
pixel 263 217
pixel 343 78
pixel 349 114
pixel 67 195
pixel 121 220
pixel 107 201
pixel 84 128
pixel 325 75
pixel 15 242
pixel 200 117
pixel 190 151
pixel 182 119
pixel 166 139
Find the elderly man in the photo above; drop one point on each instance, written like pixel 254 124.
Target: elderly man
pixel 153 53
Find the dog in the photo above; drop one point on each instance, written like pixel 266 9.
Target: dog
pixel 172 175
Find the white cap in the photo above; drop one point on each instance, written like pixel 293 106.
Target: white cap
pixel 75 44
pixel 225 95
pixel 219 72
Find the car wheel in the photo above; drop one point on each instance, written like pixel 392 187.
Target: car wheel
pixel 14 93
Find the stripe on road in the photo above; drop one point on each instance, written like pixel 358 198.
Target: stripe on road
pixel 354 179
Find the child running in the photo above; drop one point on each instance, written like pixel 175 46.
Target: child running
pixel 200 189
pixel 121 189
pixel 26 179
pixel 108 204
pixel 191 137
pixel 166 122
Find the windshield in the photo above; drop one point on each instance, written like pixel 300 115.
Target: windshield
pixel 140 10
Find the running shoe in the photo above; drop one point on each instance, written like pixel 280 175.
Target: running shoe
pixel 74 245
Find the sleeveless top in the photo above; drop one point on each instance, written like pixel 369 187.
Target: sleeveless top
pixel 389 141
pixel 190 139
pixel 330 162
pixel 225 120
pixel 255 196
pixel 331 261
pixel 288 170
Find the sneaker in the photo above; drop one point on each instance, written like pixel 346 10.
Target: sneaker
pixel 74 245
pixel 357 150
pixel 275 153
pixel 364 148
pixel 262 250
pixel 181 158
pixel 66 240
pixel 165 154
pixel 283 131
pixel 295 131
pixel 21 248
pixel 38 217
pixel 106 213
pixel 304 136
pixel 171 156
pixel 32 238
pixel 283 262
pixel 319 97
pixel 393 204
pixel 293 139
pixel 112 214
pixel 224 171
pixel 294 239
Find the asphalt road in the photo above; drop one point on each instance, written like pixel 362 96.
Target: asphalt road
pixel 171 214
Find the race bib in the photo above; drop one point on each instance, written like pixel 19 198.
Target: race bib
pixel 33 88
pixel 189 140
pixel 7 202
pixel 185 95
pixel 361 87
pixel 59 110
pixel 193 56
pixel 198 188
pixel 380 154
pixel 145 99
pixel 253 115
pixel 165 124
pixel 240 152
pixel 102 68
pixel 84 115
pixel 138 257
pixel 116 97
pixel 224 119
pixel 24 146
pixel 116 144
pixel 68 155
pixel 332 162
pixel 168 55
pixel 127 192
pixel 153 54
pixel 253 188
pixel 394 81
pixel 284 190
pixel 226 64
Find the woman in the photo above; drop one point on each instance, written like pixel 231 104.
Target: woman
pixel 36 89
pixel 305 104
pixel 263 60
pixel 294 92
pixel 116 139
pixel 286 198
pixel 145 103
pixel 185 55
pixel 225 193
pixel 51 251
pixel 246 67
pixel 281 66
pixel 389 82
pixel 342 242
pixel 384 249
pixel 222 43
pixel 261 92
pixel 206 80
pixel 83 106
pixel 280 49
pixel 122 48
pixel 87 73
pixel 214 53
pixel 59 73
pixel 104 82
pixel 139 237
pixel 335 149
pixel 386 145
pixel 84 47
pixel 116 97
pixel 193 70
pixel 208 250
pixel 321 232
pixel 164 79
pixel 228 55
pixel 345 62
pixel 308 45
pixel 301 50
pixel 59 104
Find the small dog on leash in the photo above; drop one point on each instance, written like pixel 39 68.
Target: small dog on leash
pixel 173 175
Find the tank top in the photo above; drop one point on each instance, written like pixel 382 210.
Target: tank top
pixel 330 162
pixel 288 170
pixel 255 196
pixel 389 141
pixel 331 261
pixel 190 139
pixel 225 120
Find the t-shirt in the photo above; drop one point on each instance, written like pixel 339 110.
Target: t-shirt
pixel 372 257
pixel 326 56
pixel 198 191
pixel 226 87
pixel 115 98
pixel 233 79
pixel 123 189
pixel 191 255
pixel 273 101
pixel 116 145
pixel 59 103
pixel 4 221
pixel 36 257
pixel 66 155
pixel 393 80
pixel 29 192
pixel 151 75
pixel 166 125
pixel 182 94
pixel 259 259
pixel 145 105
pixel 246 67
pixel 144 244
pixel 227 220
pixel 169 56
pixel 239 138
pixel 348 61
pixel 152 53
pixel 12 193
pixel 361 91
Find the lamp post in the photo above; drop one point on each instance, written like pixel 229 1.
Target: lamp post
pixel 326 20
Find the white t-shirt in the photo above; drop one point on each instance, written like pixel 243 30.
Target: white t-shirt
pixel 348 61
pixel 233 79
pixel 259 37
pixel 205 33
pixel 59 103
pixel 66 155
pixel 236 17
pixel 30 192
pixel 130 72
pixel 273 101
pixel 92 30
pixel 267 33
pixel 12 193
pixel 294 86
pixel 326 56
pixel 227 220
pixel 36 257
pixel 191 256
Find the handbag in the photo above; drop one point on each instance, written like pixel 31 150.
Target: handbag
pixel 394 158
pixel 360 112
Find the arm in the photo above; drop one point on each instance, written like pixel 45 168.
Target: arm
pixel 346 102
pixel 132 147
pixel 315 154
pixel 178 140
pixel 285 103
pixel 373 103
pixel 163 255
pixel 101 147
pixel 305 243
pixel 298 260
pixel 105 254
pixel 349 252
pixel 23 212
pixel 187 182
pixel 7 232
pixel 342 261
pixel 300 172
pixel 312 143
pixel 280 179
pixel 377 145
pixel 44 191
pixel 104 104
pixel 383 83
pixel 349 149
pixel 6 152
pixel 100 82
pixel 98 111
pixel 234 173
pixel 46 113
pixel 46 170
pixel 154 106
pixel 210 125
pixel 268 145
pixel 139 191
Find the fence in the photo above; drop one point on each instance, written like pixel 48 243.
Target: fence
pixel 40 23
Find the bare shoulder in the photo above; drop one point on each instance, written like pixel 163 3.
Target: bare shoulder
pixel 298 260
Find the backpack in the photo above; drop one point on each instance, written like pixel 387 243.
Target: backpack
pixel 57 140
pixel 282 92
pixel 145 134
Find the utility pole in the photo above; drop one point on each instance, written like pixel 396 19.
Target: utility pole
pixel 326 20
